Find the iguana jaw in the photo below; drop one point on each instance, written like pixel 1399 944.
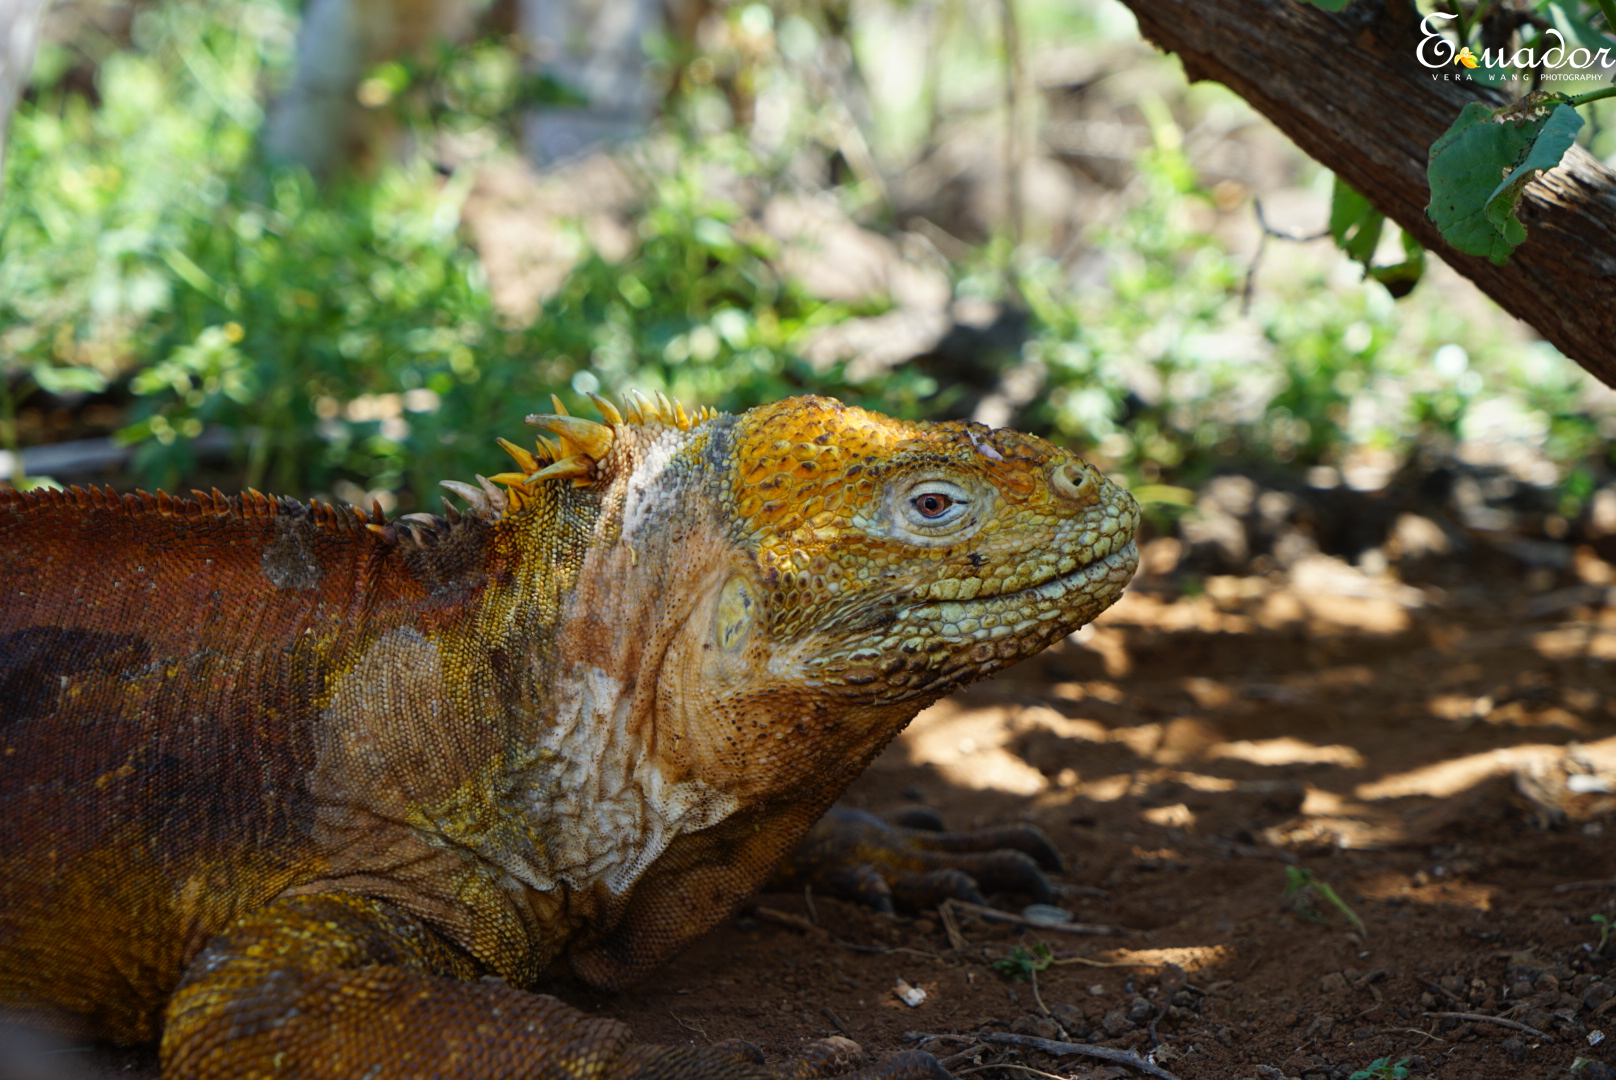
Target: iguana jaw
pixel 933 648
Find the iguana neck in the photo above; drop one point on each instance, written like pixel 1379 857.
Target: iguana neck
pixel 586 590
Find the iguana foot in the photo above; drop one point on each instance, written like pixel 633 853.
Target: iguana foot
pixel 335 986
pixel 912 863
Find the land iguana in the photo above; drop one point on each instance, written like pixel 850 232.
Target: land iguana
pixel 307 792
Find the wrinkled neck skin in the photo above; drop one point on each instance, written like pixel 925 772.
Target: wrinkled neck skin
pixel 665 730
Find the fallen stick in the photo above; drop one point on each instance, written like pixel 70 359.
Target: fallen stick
pixel 995 915
pixel 1483 1018
pixel 1126 1058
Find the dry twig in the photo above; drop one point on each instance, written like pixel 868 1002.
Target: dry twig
pixel 1126 1058
pixel 1449 994
pixel 995 915
pixel 795 922
pixel 1483 1018
pixel 956 940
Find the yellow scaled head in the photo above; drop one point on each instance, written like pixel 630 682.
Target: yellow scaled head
pixel 919 556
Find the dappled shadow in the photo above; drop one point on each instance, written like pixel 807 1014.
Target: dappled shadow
pixel 1414 752
pixel 1443 764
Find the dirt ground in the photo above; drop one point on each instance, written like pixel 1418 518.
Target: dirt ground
pixel 1440 758
pixel 1414 750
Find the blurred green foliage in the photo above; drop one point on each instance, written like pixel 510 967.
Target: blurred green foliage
pixel 1168 375
pixel 344 338
pixel 144 241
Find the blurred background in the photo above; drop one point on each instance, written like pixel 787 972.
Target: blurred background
pixel 334 249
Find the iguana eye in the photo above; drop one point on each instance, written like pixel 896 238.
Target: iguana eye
pixel 932 505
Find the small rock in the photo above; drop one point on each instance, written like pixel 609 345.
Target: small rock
pixel 1033 1024
pixel 1595 995
pixel 1047 914
pixel 1097 990
pixel 1072 1019
pixel 1515 1047
pixel 1115 1023
pixel 911 996
pixel 1140 1011
pixel 1320 1027
pixel 1333 982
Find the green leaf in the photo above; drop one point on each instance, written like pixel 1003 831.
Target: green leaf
pixel 1328 5
pixel 1400 278
pixel 1555 134
pixel 1474 210
pixel 1357 226
pixel 1300 882
pixel 1578 31
pixel 1021 963
pixel 1354 223
pixel 189 272
pixel 58 380
pixel 139 431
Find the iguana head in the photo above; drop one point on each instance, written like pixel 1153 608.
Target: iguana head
pixel 761 602
pixel 895 561
pixel 833 550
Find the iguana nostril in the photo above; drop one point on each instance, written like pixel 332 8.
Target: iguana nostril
pixel 1073 481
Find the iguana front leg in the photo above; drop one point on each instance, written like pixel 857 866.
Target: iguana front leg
pixel 346 987
pixel 912 863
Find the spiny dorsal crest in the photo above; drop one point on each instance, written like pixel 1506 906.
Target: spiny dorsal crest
pixel 576 451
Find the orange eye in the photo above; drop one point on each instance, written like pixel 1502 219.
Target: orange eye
pixel 932 504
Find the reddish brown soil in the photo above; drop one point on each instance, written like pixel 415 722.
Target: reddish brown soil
pixel 1182 760
pixel 1183 757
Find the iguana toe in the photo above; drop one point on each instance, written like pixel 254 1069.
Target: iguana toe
pixel 857 856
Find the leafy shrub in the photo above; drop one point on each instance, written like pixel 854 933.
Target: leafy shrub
pixel 345 339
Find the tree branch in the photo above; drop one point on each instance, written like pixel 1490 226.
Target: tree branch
pixel 1348 89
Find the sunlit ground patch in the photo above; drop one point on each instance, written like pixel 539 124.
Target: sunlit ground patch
pixel 1444 778
pixel 1287 751
pixel 967 746
pixel 1189 957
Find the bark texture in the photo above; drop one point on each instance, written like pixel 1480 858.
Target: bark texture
pixel 1348 89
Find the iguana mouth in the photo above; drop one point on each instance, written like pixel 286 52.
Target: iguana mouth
pixel 1017 611
pixel 943 642
pixel 1124 558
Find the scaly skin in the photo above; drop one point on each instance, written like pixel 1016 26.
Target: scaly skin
pixel 285 785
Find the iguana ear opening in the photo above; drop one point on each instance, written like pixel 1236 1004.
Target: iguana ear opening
pixel 735 615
